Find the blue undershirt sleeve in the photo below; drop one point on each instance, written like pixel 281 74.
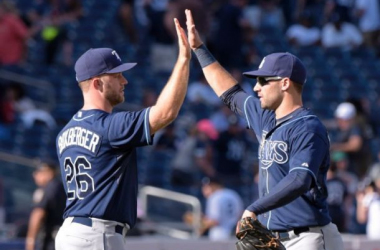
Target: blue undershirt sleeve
pixel 234 99
pixel 288 189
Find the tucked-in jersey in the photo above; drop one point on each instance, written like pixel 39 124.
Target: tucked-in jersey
pixel 97 155
pixel 297 142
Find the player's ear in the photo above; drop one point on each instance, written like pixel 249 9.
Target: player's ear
pixel 97 83
pixel 285 84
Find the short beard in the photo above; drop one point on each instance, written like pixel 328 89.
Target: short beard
pixel 114 98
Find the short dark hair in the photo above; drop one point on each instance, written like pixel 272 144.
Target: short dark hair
pixel 298 87
pixel 47 163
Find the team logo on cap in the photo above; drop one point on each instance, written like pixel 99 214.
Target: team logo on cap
pixel 115 54
pixel 262 63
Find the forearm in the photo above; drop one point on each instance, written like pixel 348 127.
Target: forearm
pixel 352 145
pixel 172 96
pixel 288 189
pixel 361 213
pixel 209 223
pixel 218 78
pixel 34 226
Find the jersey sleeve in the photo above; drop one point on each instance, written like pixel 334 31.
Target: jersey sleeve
pixel 248 107
pixel 308 153
pixel 130 129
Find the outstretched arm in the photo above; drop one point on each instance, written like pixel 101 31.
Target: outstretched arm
pixel 171 98
pixel 218 78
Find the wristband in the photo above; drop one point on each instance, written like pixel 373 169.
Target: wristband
pixel 204 56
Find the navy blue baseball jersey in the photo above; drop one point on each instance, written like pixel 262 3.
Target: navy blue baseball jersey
pixel 97 155
pixel 297 142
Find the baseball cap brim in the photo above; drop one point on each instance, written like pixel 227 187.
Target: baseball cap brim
pixel 256 73
pixel 121 68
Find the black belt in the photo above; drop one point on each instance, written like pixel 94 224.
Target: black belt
pixel 88 222
pixel 284 234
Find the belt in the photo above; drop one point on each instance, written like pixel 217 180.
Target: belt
pixel 88 222
pixel 284 234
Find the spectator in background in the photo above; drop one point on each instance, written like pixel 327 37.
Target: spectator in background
pixel 166 140
pixel 223 208
pixel 304 33
pixel 340 160
pixel 337 191
pixel 316 9
pixel 374 172
pixel 20 105
pixel 220 118
pixel 342 7
pixel 230 151
pixel 227 37
pixel 202 98
pixel 7 117
pixel 50 20
pixel 340 34
pixel 197 7
pixel 126 15
pixel 352 140
pixel 271 15
pixel 368 209
pixel 265 15
pixel 62 13
pixel 194 155
pixel 13 35
pixel 200 91
pixel 368 13
pixel 49 202
pixel 163 48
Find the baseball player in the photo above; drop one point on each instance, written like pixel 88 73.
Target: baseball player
pixel 97 148
pixel 294 147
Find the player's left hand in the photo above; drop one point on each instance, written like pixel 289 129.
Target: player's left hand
pixel 248 214
pixel 245 215
pixel 184 47
pixel 253 235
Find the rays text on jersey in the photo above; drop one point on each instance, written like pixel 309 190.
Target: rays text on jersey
pixel 273 151
pixel 78 136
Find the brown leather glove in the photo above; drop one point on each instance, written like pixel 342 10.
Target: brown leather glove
pixel 253 235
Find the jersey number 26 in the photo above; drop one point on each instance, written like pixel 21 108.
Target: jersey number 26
pixel 79 182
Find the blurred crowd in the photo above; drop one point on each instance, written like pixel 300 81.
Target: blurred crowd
pixel 208 140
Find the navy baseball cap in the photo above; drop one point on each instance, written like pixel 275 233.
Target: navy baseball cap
pixel 280 64
pixel 99 61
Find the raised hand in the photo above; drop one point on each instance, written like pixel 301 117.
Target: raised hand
pixel 184 47
pixel 194 38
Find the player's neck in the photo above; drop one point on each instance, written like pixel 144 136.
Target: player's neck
pixel 287 107
pixel 100 106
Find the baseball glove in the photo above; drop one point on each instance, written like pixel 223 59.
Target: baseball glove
pixel 253 235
